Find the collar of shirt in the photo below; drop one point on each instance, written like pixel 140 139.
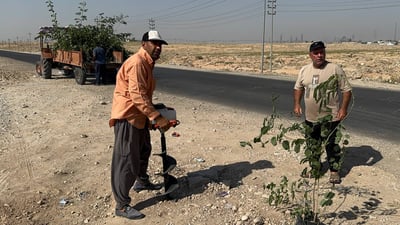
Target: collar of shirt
pixel 143 53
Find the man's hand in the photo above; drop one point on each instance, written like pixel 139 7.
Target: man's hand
pixel 342 113
pixel 297 110
pixel 346 98
pixel 163 123
pixel 297 95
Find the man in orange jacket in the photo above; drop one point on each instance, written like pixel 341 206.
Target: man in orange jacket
pixel 132 111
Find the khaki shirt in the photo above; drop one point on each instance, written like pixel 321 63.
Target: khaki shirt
pixel 309 78
pixel 135 84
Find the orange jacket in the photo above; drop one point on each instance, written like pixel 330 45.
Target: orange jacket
pixel 132 99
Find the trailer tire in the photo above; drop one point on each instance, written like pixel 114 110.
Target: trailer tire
pixel 38 68
pixel 80 75
pixel 46 68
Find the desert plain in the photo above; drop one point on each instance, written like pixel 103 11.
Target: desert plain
pixel 56 146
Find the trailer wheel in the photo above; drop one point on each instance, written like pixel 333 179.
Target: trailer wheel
pixel 46 68
pixel 80 75
pixel 38 68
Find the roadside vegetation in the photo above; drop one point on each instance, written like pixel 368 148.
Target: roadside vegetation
pixel 82 35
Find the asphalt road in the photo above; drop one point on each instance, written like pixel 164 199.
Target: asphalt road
pixel 375 112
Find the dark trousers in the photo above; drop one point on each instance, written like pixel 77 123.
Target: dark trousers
pixel 130 159
pixel 99 71
pixel 332 150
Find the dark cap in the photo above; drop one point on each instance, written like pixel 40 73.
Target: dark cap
pixel 316 45
pixel 153 35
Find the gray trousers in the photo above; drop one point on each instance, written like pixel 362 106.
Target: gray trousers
pixel 130 159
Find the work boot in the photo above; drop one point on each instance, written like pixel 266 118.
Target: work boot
pixel 129 212
pixel 145 184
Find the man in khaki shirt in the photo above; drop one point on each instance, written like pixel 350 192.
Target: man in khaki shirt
pixel 310 76
pixel 132 111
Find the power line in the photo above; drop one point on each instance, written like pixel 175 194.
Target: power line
pixel 174 15
pixel 201 24
pixel 198 14
pixel 156 12
pixel 332 3
pixel 220 16
pixel 190 10
pixel 315 8
pixel 234 15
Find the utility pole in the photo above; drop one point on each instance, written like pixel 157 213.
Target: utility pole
pixel 272 12
pixel 152 24
pixel 30 41
pixel 263 38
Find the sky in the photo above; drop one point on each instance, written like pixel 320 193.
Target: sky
pixel 217 20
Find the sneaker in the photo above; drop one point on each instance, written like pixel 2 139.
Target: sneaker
pixel 141 185
pixel 129 212
pixel 335 178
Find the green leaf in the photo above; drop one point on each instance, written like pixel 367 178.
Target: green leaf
pixel 286 145
pixel 297 148
pixel 326 202
pixel 245 143
pixel 264 130
pixel 329 195
pixel 308 153
pixel 274 141
pixel 270 186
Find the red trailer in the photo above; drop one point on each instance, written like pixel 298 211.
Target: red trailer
pixel 73 62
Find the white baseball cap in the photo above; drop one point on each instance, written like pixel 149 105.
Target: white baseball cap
pixel 153 35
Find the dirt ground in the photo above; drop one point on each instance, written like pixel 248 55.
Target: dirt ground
pixel 56 147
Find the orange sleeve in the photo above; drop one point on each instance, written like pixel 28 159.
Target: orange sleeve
pixel 141 87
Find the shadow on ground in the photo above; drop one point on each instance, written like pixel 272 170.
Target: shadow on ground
pixel 359 156
pixel 193 183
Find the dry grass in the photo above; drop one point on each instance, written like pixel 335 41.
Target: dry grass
pixel 360 61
